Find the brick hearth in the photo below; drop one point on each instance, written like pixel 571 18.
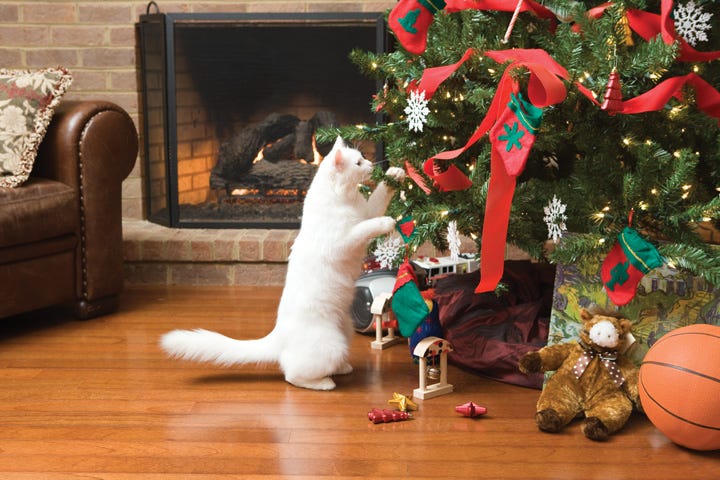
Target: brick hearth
pixel 155 254
pixel 158 255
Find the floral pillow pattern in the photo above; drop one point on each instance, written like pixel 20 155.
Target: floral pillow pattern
pixel 27 103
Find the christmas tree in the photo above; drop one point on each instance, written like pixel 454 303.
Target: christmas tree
pixel 553 125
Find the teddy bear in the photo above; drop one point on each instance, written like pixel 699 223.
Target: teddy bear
pixel 591 377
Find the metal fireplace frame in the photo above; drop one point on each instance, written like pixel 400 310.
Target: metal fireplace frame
pixel 170 217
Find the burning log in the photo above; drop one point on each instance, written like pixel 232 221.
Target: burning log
pixel 304 142
pixel 237 155
pixel 323 119
pixel 279 137
pixel 265 176
pixel 281 149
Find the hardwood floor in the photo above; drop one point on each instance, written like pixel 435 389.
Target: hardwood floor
pixel 98 399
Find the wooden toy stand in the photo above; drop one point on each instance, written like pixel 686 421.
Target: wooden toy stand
pixel 380 309
pixel 432 346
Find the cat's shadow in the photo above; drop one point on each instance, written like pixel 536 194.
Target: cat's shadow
pixel 238 377
pixel 342 381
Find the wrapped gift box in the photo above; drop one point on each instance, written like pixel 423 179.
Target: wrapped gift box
pixel 666 299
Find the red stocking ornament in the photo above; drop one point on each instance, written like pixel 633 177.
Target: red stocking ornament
pixel 626 264
pixel 514 132
pixel 410 20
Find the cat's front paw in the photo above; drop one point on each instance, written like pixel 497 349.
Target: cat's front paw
pixel 387 224
pixel 396 173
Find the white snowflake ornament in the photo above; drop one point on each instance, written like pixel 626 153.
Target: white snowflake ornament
pixel 691 22
pixel 555 219
pixel 388 251
pixel 417 110
pixel 453 239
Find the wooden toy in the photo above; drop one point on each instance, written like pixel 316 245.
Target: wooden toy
pixel 380 310
pixel 433 348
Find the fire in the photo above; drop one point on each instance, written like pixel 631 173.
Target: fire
pixel 245 191
pixel 317 158
pixel 259 157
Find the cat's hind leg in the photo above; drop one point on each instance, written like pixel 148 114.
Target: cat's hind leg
pixel 324 383
pixel 344 369
pixel 312 369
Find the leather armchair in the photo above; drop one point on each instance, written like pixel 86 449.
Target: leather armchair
pixel 61 231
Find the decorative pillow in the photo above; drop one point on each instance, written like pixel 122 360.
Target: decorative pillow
pixel 27 103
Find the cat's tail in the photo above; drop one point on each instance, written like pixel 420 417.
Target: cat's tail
pixel 206 346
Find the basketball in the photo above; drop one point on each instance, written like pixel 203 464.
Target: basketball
pixel 679 386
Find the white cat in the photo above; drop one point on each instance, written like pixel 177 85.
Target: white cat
pixel 313 328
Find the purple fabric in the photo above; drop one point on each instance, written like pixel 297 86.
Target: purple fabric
pixel 490 333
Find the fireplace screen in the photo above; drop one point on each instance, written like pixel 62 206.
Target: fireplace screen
pixel 230 106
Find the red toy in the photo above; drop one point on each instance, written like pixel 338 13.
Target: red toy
pixel 471 409
pixel 679 386
pixel 383 415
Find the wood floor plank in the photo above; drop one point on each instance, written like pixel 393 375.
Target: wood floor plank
pixel 99 399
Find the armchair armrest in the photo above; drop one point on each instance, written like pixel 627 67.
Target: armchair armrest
pixel 92 147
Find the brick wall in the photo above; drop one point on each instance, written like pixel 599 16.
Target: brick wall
pixel 96 42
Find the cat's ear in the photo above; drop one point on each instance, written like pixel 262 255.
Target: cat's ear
pixel 339 143
pixel 338 158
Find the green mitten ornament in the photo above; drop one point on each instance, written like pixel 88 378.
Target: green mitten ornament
pixel 407 303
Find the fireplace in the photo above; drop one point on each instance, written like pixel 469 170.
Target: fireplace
pixel 230 106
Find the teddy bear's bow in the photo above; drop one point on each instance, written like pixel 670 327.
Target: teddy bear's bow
pixel 608 361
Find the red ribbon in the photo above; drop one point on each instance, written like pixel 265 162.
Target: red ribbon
pixel 433 77
pixel 544 88
pixel 707 98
